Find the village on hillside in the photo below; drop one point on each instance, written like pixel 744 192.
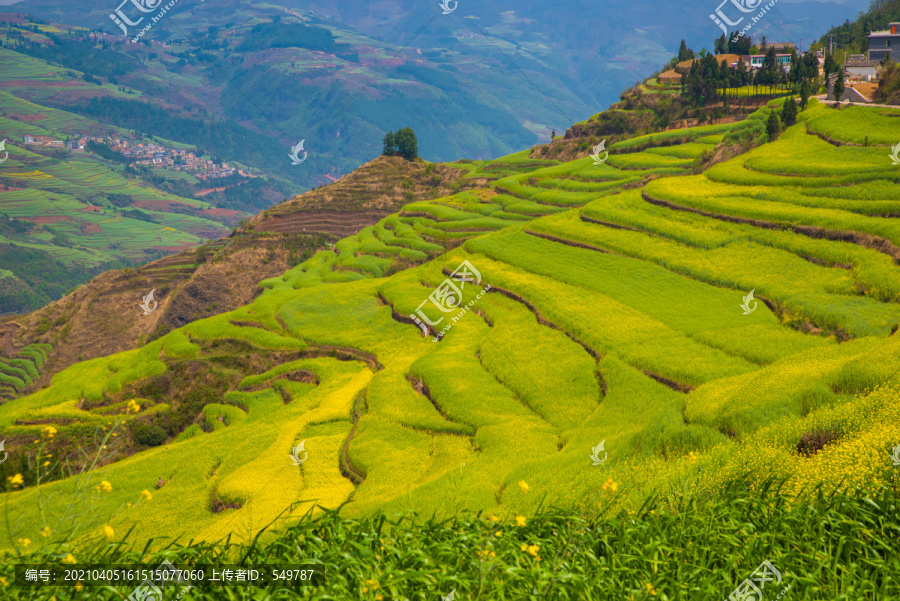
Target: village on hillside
pixel 860 71
pixel 153 156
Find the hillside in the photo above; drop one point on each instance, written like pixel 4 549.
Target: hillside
pixel 70 214
pixel 634 362
pixel 240 89
pixel 629 287
pixel 103 317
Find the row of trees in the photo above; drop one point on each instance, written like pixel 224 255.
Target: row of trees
pixel 711 77
pixel 403 143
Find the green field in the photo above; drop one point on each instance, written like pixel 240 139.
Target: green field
pixel 608 309
pixel 68 208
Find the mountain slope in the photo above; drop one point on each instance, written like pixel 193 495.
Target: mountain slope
pixel 607 306
pixel 104 316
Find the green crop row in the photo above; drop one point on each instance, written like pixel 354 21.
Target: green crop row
pixel 855 124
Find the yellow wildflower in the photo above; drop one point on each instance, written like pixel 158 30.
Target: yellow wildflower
pixel 494 518
pixel 524 486
pixel 610 485
pixel 533 550
pixel 146 494
pixel 109 532
pixel 46 531
pixel 3 581
pixel 520 520
pixel 650 589
pixel 16 480
pixel 46 463
pixel 79 587
pixel 692 457
pixel 24 542
pixel 371 584
pixel 69 559
pixel 105 486
pixel 50 431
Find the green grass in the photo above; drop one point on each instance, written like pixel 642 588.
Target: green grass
pixel 401 556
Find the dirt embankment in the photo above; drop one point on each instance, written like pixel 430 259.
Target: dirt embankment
pixel 105 315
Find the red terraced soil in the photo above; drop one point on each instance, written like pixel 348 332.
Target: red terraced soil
pixel 220 213
pixel 205 233
pixel 13 18
pixel 91 209
pixel 90 92
pixel 169 261
pixel 29 117
pixel 45 219
pixel 90 229
pixel 209 190
pixel 332 222
pixel 330 177
pixel 154 205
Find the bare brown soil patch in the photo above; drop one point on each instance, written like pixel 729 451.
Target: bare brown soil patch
pixel 89 229
pixel 813 442
pixel 676 386
pixel 45 218
pixel 29 117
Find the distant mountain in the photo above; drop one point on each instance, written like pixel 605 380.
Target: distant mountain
pixel 545 64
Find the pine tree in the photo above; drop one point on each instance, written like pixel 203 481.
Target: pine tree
pixel 684 53
pixel 789 111
pixel 839 84
pixel 796 71
pixel 804 94
pixel 773 126
pixel 552 135
pixel 742 75
pixel 829 66
pixel 721 44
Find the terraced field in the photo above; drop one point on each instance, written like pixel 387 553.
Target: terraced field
pixel 601 303
pixel 78 210
pixel 19 372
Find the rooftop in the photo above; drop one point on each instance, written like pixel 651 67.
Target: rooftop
pixel 861 62
pixel 893 29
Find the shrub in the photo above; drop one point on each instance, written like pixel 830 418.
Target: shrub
pixel 149 435
pixel 813 442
